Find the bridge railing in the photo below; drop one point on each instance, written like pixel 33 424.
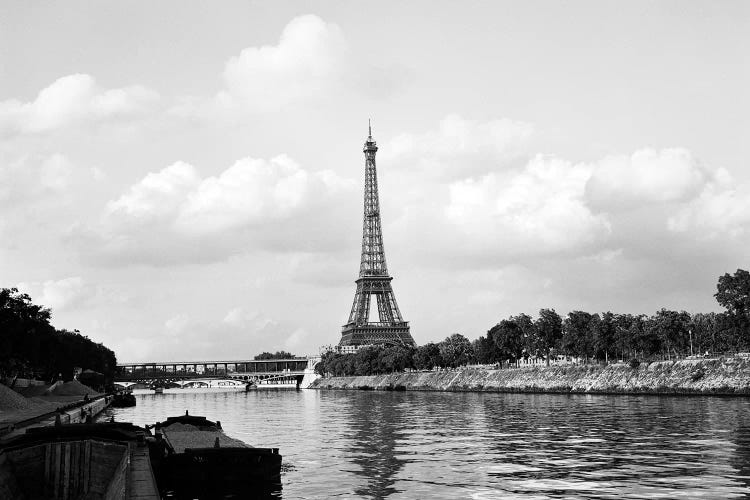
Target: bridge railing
pixel 196 369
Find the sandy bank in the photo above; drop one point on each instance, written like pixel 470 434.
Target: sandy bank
pixel 720 376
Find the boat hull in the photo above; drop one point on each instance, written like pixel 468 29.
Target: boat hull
pixel 221 472
pixel 200 461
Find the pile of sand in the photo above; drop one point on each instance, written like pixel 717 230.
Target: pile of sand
pixel 32 390
pixel 11 400
pixel 183 436
pixel 73 388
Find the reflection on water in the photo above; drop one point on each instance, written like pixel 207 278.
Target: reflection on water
pixel 349 444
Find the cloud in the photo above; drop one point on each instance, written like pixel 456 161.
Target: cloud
pixel 309 59
pixel 296 340
pixel 254 191
pixel 177 324
pixel 158 194
pixel 646 176
pixel 175 215
pixel 60 294
pixel 537 210
pixel 311 62
pixel 73 99
pixel 28 178
pixel 477 199
pixel 718 211
pixel 468 191
pixel 461 147
pixel 236 336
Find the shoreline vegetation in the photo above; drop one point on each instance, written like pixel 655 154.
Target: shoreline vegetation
pixel 31 348
pixel 667 352
pixel 723 376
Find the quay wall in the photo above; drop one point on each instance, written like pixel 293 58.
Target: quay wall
pixel 718 376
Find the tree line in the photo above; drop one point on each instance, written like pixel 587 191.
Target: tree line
pixel 30 347
pixel 589 337
pixel 274 355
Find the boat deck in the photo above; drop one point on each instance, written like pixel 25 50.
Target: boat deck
pixel 183 436
pixel 141 481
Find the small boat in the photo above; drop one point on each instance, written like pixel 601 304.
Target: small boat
pixel 123 399
pixel 200 461
pixel 158 390
pixel 278 382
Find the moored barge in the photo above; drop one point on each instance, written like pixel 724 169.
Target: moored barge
pixel 200 461
pixel 72 461
pixel 186 457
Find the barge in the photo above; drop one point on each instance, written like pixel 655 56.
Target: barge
pixel 200 461
pixel 186 457
pixel 72 461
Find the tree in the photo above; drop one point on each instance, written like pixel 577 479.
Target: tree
pixel 456 350
pixel 508 339
pixel 427 356
pixel 549 330
pixel 576 338
pixel 30 346
pixel 603 331
pixel 672 329
pixel 275 355
pixel 733 293
pixel 484 350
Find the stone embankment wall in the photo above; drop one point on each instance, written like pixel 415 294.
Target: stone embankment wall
pixel 721 376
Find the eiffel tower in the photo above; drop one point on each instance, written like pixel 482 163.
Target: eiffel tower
pixel 373 275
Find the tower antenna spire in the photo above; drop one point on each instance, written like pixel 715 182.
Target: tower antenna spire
pixel 369 128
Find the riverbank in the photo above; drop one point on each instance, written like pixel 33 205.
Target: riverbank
pixel 41 405
pixel 718 376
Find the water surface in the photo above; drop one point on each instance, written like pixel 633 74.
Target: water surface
pixel 365 444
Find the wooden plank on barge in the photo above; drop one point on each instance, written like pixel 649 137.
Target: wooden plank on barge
pixel 141 481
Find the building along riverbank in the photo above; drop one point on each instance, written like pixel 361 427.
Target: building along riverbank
pixel 715 376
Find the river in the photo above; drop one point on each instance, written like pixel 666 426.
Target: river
pixel 408 445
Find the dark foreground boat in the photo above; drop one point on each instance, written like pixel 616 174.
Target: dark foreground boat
pixel 187 457
pixel 74 461
pixel 200 461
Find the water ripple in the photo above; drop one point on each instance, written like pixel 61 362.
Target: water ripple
pixel 352 444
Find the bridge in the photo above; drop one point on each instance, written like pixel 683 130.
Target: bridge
pixel 178 372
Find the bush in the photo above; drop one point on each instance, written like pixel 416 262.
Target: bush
pixel 634 363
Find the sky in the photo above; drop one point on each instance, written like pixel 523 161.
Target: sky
pixel 184 180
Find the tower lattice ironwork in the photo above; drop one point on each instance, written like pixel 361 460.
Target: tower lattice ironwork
pixel 373 275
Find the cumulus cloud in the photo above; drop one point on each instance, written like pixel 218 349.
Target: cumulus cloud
pixel 475 199
pixel 310 62
pixel 646 176
pixel 175 214
pixel 253 191
pixel 158 194
pixel 308 58
pixel 461 147
pixel 717 211
pixel 73 99
pixel 31 177
pixel 537 210
pixel 58 294
pixel 670 189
